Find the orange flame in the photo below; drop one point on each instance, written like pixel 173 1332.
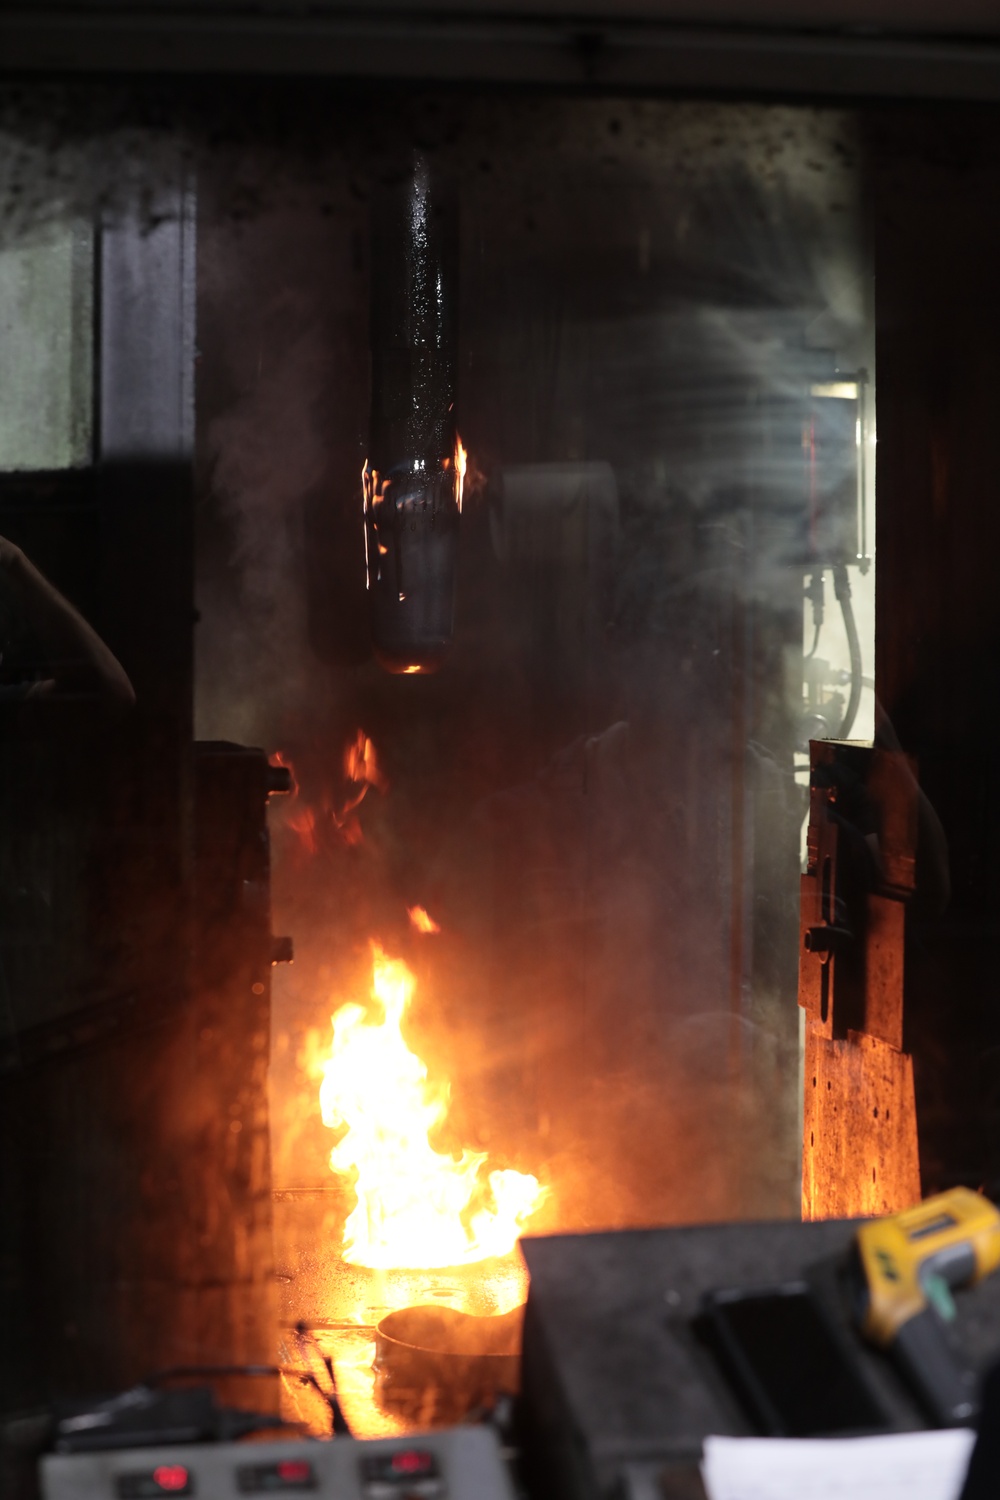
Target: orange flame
pixel 415 1208
pixel 315 822
pixel 361 763
pixel 420 919
pixel 351 832
pixel 373 488
pixel 365 500
pixel 461 464
pixel 304 825
pixel 361 768
pixel 280 759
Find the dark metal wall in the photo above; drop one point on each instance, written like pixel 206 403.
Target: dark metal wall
pixel 135 944
pixel 936 202
pixel 879 48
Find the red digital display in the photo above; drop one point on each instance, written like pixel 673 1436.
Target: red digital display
pixel 399 1467
pixel 412 1461
pixel 274 1478
pixel 173 1479
pixel 165 1479
pixel 294 1471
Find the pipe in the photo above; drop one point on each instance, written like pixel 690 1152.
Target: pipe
pixel 413 476
pixel 842 589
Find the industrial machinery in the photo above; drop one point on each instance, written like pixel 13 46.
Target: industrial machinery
pixel 461 1464
pixel 414 472
pixel 263 281
pixel 622 1385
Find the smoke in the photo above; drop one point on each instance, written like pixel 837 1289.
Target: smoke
pixel 272 375
pixel 595 799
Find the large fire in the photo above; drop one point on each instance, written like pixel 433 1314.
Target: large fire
pixel 416 1207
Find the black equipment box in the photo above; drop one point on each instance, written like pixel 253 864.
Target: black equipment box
pixel 617 1381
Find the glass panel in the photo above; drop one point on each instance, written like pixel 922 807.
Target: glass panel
pixel 664 313
pixel 641 331
pixel 839 623
pixel 46 337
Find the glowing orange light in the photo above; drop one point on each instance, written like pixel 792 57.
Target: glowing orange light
pixel 366 493
pixel 415 1208
pixel 303 824
pixel 420 919
pixel 461 463
pixel 280 759
pixel 361 763
pixel 335 813
pixel 350 830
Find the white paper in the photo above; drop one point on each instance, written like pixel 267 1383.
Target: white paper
pixel 900 1466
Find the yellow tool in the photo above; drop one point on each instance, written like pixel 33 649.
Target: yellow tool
pixel 910 1263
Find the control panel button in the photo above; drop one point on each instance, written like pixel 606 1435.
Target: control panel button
pixel 400 1466
pixel 285 1476
pixel 406 1474
pixel 152 1484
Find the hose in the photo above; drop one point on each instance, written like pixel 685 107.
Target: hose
pixel 811 653
pixel 842 589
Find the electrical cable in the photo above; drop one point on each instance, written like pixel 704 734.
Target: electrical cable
pixel 814 593
pixel 842 589
pixel 337 1420
pixel 812 652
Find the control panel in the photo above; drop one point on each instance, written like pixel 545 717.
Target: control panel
pixel 462 1463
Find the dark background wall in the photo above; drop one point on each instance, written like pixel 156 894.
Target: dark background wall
pixel 135 948
pixel 935 194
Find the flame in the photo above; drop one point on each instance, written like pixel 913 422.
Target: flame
pixel 362 770
pixel 334 814
pixel 366 499
pixel 416 1207
pixel 280 759
pixel 461 464
pixel 420 920
pixel 361 764
pixel 373 488
pixel 351 832
pixel 304 825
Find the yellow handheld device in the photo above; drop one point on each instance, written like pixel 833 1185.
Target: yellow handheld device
pixel 910 1264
